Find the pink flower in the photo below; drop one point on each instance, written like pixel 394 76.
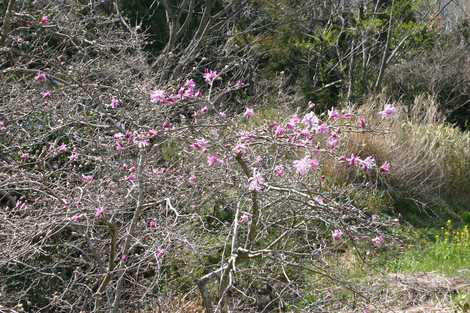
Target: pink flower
pixel 115 102
pixel 279 170
pixel 124 258
pixel 256 182
pixel 310 120
pixel 245 218
pixel 368 163
pixel 41 76
pixel 353 160
pixel 388 111
pixel 132 178
pixel 167 125
pixel 87 179
pixel 152 133
pixel 160 252
pixel 222 114
pixel 46 94
pixel 192 180
pixel 204 110
pixel 334 115
pixel 347 115
pixel 191 85
pixel 362 123
pixel 75 218
pixel 249 113
pixel 247 137
pixel 45 20
pixel 303 166
pixel 378 241
pixel 293 122
pixel 385 168
pixel 158 96
pixel 240 149
pixel 141 142
pixel 279 131
pixel 214 160
pixel 24 156
pixel 99 211
pixel 337 234
pixel 152 223
pixel 119 146
pixel 333 141
pixel 74 154
pixel 200 144
pixel 19 205
pixel 322 129
pixel 62 148
pixel 210 76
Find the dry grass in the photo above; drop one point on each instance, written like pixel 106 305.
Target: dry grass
pixel 429 158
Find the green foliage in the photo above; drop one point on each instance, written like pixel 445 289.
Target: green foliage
pixel 449 254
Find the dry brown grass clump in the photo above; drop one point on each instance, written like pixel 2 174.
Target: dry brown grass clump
pixel 429 158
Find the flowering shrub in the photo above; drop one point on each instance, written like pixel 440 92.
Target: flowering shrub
pixel 109 198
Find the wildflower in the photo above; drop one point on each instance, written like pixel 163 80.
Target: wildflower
pixel 303 166
pixel 160 252
pixel 45 20
pixel 293 122
pixel 249 113
pixel 41 76
pixel 279 170
pixel 378 241
pixel 362 123
pixel 115 102
pixel 2 125
pixel 245 218
pixel 46 94
pixel 200 144
pixel 247 137
pixel 322 129
pixel 353 160
pixel 337 234
pixel 334 115
pixel 310 120
pixel 385 168
pixel 75 218
pixel 240 149
pixel 167 125
pixel 214 160
pixel 158 96
pixel 124 258
pixel 87 179
pixel 333 141
pixel 368 163
pixel 191 85
pixel 347 115
pixel 20 205
pixel 222 114
pixel 192 180
pixel 204 110
pixel 279 131
pixel 119 146
pixel 256 182
pixel 210 76
pixel 319 200
pixel 388 111
pixel 99 211
pixel 62 148
pixel 141 142
pixel 131 178
pixel 152 223
pixel 74 154
pixel 151 133
pixel 24 156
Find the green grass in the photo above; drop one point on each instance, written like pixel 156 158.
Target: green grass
pixel 448 254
